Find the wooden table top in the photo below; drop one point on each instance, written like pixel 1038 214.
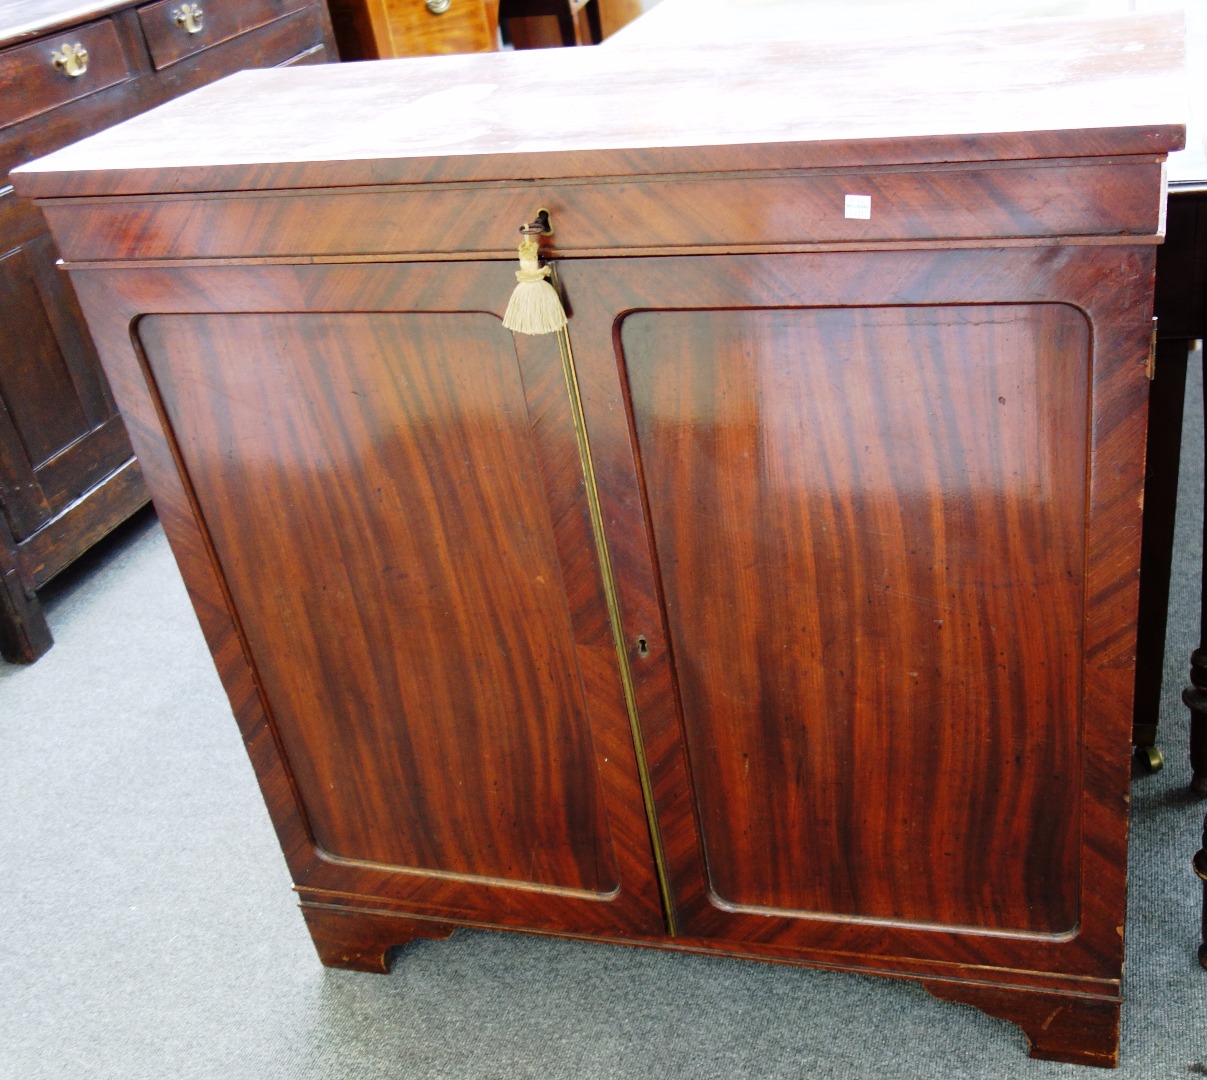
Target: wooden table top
pixel 677 23
pixel 1061 89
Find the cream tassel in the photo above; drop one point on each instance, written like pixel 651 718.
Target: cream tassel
pixel 535 307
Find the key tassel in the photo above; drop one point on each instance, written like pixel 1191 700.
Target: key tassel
pixel 535 307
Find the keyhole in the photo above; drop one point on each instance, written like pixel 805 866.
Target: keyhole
pixel 643 647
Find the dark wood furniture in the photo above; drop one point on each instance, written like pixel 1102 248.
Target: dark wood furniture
pixel 1181 309
pixel 380 29
pixel 782 607
pixel 1181 305
pixel 67 472
pixel 1200 868
pixel 538 24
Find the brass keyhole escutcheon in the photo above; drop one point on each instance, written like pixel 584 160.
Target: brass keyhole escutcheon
pixel 643 646
pixel 438 7
pixel 188 17
pixel 70 59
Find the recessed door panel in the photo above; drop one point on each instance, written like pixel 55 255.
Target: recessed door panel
pixel 869 526
pixel 371 485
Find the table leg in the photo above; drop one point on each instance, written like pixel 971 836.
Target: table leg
pixel 1200 868
pixel 1166 398
pixel 1195 696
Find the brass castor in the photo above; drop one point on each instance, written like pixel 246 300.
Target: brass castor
pixel 1150 757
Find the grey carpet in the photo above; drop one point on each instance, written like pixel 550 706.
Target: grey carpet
pixel 147 928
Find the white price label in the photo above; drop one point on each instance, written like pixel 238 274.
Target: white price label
pixel 858 206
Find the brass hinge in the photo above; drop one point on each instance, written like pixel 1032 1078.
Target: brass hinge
pixel 1150 368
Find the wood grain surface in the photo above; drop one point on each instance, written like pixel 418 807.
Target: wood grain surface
pixel 1041 913
pixel 467 26
pixel 221 20
pixel 389 686
pixel 753 211
pixel 402 546
pixel 833 576
pixel 30 83
pixel 1076 925
pixel 874 600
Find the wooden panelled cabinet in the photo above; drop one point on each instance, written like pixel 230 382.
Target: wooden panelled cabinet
pixel 781 606
pixel 67 471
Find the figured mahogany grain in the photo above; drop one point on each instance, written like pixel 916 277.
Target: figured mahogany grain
pixel 774 436
pixel 1052 199
pixel 1076 1029
pixel 1107 283
pixel 874 600
pixel 517 901
pixel 1096 516
pixel 385 518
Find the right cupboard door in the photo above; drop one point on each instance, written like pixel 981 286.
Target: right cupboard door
pixel 890 509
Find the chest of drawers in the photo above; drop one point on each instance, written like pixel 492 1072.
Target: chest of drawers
pixel 782 605
pixel 379 29
pixel 67 472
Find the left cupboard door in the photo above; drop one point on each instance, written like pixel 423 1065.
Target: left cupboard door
pixel 377 496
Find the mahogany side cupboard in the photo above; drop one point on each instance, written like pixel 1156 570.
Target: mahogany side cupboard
pixel 783 605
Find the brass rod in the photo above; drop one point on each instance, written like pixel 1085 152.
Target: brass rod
pixel 622 654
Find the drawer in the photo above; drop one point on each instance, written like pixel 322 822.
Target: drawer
pixel 176 30
pixel 31 84
pixel 415 31
pixel 976 204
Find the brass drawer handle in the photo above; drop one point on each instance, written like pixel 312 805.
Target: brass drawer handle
pixel 438 7
pixel 188 16
pixel 70 59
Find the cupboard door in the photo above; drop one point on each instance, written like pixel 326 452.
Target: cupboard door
pixel 395 506
pixel 884 573
pixel 873 599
